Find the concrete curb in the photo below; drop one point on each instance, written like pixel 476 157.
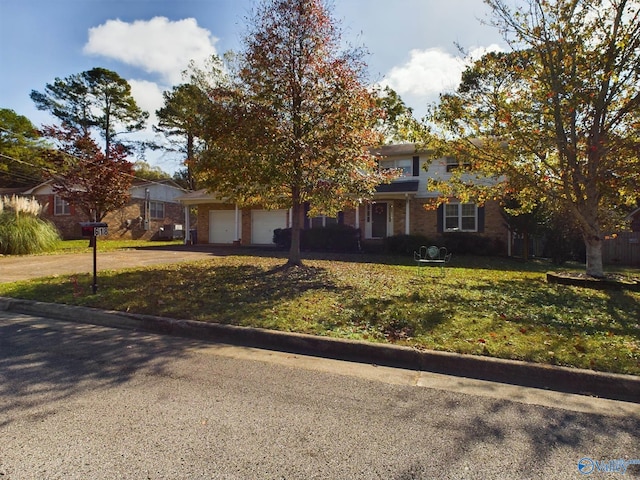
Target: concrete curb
pixel 562 379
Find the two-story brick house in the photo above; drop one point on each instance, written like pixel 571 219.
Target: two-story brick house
pixel 396 208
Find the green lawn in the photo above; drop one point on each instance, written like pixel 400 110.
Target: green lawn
pixel 496 307
pixel 82 246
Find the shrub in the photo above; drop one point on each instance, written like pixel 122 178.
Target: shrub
pixel 564 241
pixel 332 238
pixel 406 244
pixel 22 231
pixel 471 244
pixel 458 243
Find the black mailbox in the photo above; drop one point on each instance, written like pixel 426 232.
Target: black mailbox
pixel 94 229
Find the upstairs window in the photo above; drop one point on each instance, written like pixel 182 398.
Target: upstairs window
pixel 403 164
pixel 454 164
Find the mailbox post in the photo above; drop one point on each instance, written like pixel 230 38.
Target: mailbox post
pixel 93 230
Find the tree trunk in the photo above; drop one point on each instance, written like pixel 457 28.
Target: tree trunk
pixel 294 251
pixel 593 244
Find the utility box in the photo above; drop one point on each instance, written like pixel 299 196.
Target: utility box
pixel 94 229
pixel 171 232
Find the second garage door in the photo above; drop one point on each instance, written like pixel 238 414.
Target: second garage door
pixel 264 222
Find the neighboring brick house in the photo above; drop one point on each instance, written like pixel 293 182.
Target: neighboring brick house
pixel 396 208
pixel 151 213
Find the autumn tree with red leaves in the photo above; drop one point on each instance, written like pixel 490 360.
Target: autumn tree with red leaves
pixel 94 182
pixel 293 121
pixel 94 104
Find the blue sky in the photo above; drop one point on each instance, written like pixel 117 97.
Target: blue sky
pixel 411 44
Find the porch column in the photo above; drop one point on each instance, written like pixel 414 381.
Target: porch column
pixel 238 223
pixel 187 226
pixel 407 211
pixel 357 225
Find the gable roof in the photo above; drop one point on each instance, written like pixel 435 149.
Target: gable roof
pixel 8 191
pixel 199 196
pixel 169 182
pixel 396 149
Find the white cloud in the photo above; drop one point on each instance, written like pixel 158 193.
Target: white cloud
pixel 426 73
pixel 157 46
pixel 430 72
pixel 148 96
pixel 476 53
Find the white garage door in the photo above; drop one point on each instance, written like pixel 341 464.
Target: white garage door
pixel 264 222
pixel 222 226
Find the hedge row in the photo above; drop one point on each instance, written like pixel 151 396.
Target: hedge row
pixel 332 238
pixel 458 243
pixel 343 238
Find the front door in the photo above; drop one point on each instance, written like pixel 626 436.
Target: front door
pixel 379 214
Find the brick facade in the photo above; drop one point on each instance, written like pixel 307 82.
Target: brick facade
pixel 124 224
pixel 413 187
pixel 203 221
pixel 424 219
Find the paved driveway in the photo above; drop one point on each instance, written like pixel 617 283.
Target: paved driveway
pixel 15 268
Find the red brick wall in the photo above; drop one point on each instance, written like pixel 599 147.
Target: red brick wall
pixel 125 223
pixel 424 221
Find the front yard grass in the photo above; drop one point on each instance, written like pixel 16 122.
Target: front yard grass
pixel 495 307
pixel 82 245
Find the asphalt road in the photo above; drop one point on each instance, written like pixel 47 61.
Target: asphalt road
pixel 79 401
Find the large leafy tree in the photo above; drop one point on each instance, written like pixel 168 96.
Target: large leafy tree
pixel 95 101
pixel 21 148
pixel 398 124
pixel 557 119
pixel 142 169
pixel 95 182
pixel 295 120
pixel 180 120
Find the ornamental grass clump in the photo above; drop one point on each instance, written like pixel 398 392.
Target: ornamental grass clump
pixel 22 230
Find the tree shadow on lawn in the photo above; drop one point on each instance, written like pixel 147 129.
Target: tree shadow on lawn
pixel 570 309
pixel 458 260
pixel 397 317
pixel 233 294
pixel 528 319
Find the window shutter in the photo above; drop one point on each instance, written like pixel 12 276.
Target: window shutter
pixel 416 166
pixel 440 219
pixel 52 205
pixel 340 218
pixel 480 219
